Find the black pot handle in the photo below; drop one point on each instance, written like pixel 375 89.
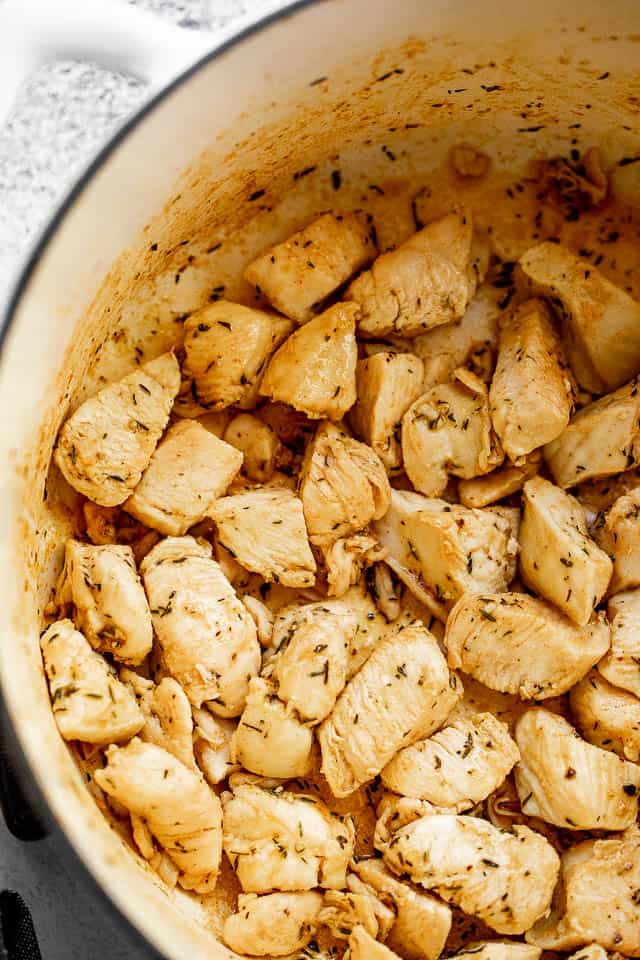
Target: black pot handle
pixel 19 817
pixel 18 939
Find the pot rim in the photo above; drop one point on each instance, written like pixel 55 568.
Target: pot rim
pixel 71 858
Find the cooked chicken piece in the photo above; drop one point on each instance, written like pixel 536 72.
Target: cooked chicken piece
pixel 621 665
pixel 506 879
pixel 347 558
pixel 602 439
pixel 343 485
pixel 258 444
pixel 270 739
pixel 272 925
pixel 593 952
pixel 212 745
pixel 182 812
pixel 107 443
pixel 619 536
pixel 387 384
pixel 167 713
pixel 298 275
pixel 444 550
pixel 557 557
pixel 315 369
pixel 448 431
pixel 362 946
pixel 597 899
pixel 227 347
pixel 262 617
pixel 189 470
pixel 600 495
pixel 518 644
pixel 402 693
pixel 89 703
pixel 394 812
pixel 457 767
pixel 264 530
pixel 600 320
pixel 482 491
pixel 531 392
pixel 568 782
pixel 206 636
pixel 426 281
pixel 345 909
pixel 111 606
pixel 422 922
pixel 277 840
pixel 607 716
pixel 500 950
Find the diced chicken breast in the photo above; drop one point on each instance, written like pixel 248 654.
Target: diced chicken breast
pixel 343 485
pixel 315 369
pixel 505 879
pixel 104 447
pixel 189 470
pixel 402 693
pixel 387 384
pixel 599 495
pixel 621 665
pixel 602 439
pixel 445 550
pixel 482 491
pixel 517 644
pixel 426 281
pixel 557 557
pixel 448 431
pixel 167 714
pixel 358 905
pixel 593 952
pixel 362 946
pixel 601 322
pixel 257 443
pixel 619 536
pixel 264 530
pixel 212 745
pixel 182 812
pixel 298 275
pixel 607 716
pixel 346 558
pixel 531 392
pixel 206 636
pixel 270 739
pixel 457 767
pixel 278 840
pixel 89 703
pixel 422 922
pixel 111 606
pixel 227 347
pixel 597 899
pixel 501 950
pixel 568 782
pixel 272 925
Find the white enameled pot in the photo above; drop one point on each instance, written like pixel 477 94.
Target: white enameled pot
pixel 204 156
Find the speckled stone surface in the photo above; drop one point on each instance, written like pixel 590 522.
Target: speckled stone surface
pixel 63 114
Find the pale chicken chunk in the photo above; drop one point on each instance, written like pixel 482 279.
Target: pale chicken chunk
pixel 426 281
pixel 107 443
pixel 278 840
pixel 607 716
pixel 505 879
pixel 597 900
pixel 111 606
pixel 387 384
pixel 270 739
pixel 442 550
pixel 257 443
pixel 167 714
pixel 557 557
pixel 482 491
pixel 517 644
pixel 227 347
pixel 422 922
pixel 593 952
pixel 362 946
pixel 602 439
pixel 456 767
pixel 264 530
pixel 621 665
pixel 531 392
pixel 212 745
pixel 346 558
pixel 568 782
pixel 448 431
pixel 618 534
pixel 206 636
pixel 601 322
pixel 180 809
pixel 88 701
pixel 502 950
pixel 403 692
pixel 272 925
pixel 296 276
pixel 343 485
pixel 189 470
pixel 358 905
pixel 314 371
